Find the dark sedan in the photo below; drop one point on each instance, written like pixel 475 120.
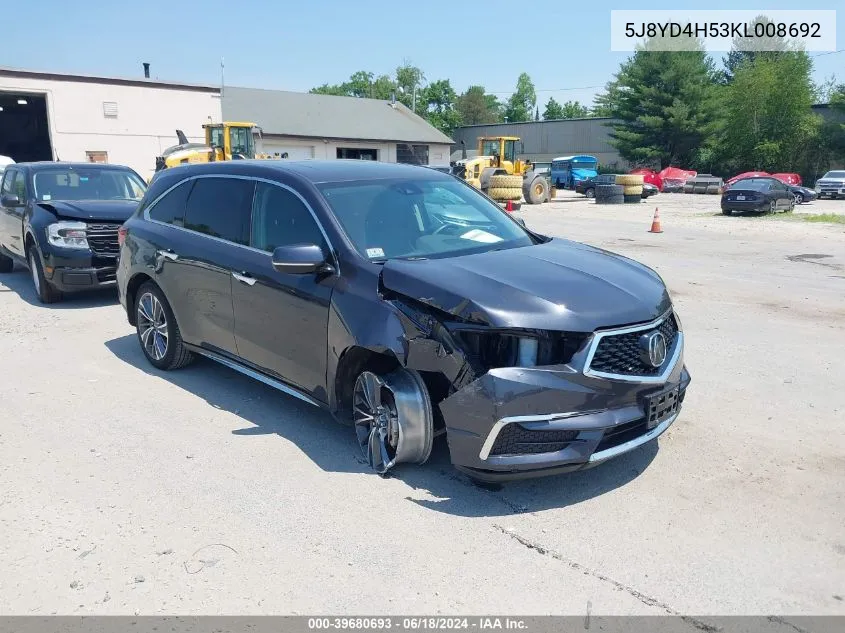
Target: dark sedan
pixel 802 194
pixel 758 195
pixel 588 187
pixel 408 304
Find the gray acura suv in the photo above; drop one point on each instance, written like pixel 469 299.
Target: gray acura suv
pixel 407 304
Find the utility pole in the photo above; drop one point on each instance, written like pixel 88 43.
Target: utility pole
pixel 222 76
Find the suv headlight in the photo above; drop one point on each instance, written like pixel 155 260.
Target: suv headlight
pixel 67 234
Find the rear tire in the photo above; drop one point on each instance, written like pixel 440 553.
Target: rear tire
pixel 46 292
pixel 158 332
pixel 726 212
pixel 590 193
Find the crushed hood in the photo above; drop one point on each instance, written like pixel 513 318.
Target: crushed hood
pixel 104 210
pixel 559 285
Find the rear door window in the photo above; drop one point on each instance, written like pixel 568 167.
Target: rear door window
pixel 220 207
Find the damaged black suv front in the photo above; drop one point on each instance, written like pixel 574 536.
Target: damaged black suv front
pixel 534 355
pixel 559 356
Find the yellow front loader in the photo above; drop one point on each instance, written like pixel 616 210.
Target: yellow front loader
pixel 498 173
pixel 223 141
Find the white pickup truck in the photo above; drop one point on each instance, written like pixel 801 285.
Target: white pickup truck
pixel 831 184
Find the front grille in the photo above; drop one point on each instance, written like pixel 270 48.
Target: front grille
pixel 102 238
pixel 621 354
pixel 621 434
pixel 515 439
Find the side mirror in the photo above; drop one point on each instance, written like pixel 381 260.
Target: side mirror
pixel 300 259
pixel 10 200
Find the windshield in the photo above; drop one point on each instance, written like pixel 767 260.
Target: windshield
pixel 93 184
pixel 420 219
pixel 835 174
pixel 583 164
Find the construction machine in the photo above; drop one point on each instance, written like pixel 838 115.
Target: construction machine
pixel 497 172
pixel 223 141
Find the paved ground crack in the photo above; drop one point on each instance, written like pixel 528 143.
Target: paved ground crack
pixel 639 595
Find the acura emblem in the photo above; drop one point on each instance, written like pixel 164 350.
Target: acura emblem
pixel 653 348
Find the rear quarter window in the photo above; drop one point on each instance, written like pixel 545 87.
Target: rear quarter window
pixel 171 208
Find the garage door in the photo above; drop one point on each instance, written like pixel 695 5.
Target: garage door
pixel 294 152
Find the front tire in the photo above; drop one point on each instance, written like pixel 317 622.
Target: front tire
pixel 7 265
pixel 393 416
pixel 43 288
pixel 157 330
pixel 590 193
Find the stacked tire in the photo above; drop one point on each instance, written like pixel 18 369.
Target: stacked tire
pixel 632 187
pixel 504 187
pixel 610 194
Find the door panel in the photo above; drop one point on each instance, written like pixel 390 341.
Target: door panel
pixel 208 220
pixel 281 320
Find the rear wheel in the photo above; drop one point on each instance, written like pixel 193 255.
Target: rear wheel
pixel 799 198
pixel 43 288
pixel 393 418
pixel 590 193
pixel 773 206
pixel 157 330
pixel 726 211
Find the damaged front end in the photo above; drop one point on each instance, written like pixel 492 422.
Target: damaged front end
pixel 524 402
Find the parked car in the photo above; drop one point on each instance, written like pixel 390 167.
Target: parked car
pixel 60 220
pixel 802 194
pixel 748 174
pixel 588 187
pixel 760 195
pixel 831 184
pixel 346 284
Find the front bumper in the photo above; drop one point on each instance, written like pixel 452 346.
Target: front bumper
pixel 601 418
pixel 70 270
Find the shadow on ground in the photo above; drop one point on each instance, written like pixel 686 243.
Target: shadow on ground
pixel 332 446
pixel 20 282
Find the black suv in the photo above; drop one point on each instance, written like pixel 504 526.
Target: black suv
pixel 406 303
pixel 61 219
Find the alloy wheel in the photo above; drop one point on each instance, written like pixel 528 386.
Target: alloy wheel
pixel 393 419
pixel 152 326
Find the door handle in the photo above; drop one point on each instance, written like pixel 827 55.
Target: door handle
pixel 245 278
pixel 169 254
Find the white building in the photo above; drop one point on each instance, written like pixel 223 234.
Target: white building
pixel 303 125
pixel 55 116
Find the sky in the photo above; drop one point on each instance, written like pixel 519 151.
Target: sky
pixel 297 45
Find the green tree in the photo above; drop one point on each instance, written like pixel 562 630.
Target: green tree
pixel 437 101
pixel 553 110
pixel 604 102
pixel 476 107
pixel 522 101
pixel 768 126
pixel 574 110
pixel 360 84
pixel 327 89
pixel 744 49
pixel 383 88
pixel 409 78
pixel 665 106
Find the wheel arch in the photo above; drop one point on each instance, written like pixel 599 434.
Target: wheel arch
pixel 135 282
pixel 354 360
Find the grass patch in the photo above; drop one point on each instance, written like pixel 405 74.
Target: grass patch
pixel 831 218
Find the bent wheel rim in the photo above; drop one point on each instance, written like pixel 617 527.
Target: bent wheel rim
pixel 152 326
pixel 393 419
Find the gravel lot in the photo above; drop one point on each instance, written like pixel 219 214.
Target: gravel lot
pixel 127 490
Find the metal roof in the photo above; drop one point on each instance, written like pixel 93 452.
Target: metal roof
pixel 308 115
pixel 126 81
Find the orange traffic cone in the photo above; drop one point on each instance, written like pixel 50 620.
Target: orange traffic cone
pixel 509 206
pixel 655 223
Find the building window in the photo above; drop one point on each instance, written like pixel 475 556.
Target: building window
pixel 97 157
pixel 357 153
pixel 110 109
pixel 412 154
